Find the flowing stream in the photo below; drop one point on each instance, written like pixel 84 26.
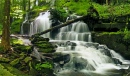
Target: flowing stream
pixel 86 58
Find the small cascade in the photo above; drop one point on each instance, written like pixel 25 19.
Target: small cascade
pixel 77 31
pixel 41 23
pixel 90 59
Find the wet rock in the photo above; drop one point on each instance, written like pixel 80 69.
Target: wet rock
pixel 61 58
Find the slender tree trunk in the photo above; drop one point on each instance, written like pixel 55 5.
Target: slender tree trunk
pixel 24 8
pixel 106 2
pixel 5 43
pixel 28 5
pixel 24 5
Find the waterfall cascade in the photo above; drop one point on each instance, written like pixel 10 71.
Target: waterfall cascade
pixel 40 24
pixel 85 57
pixel 77 31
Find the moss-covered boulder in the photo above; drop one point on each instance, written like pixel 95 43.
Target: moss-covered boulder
pixel 43 44
pixel 114 41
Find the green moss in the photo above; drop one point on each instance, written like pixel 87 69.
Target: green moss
pixel 40 66
pixel 2 59
pixel 5 72
pixel 16 41
pixel 13 70
pixel 15 62
pixel 27 59
pixel 22 48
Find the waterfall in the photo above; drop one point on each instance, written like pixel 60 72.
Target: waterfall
pixel 41 23
pixel 77 31
pixel 86 57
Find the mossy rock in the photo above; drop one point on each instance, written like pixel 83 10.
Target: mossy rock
pixel 44 45
pixel 117 43
pixel 37 39
pixel 4 60
pixel 27 59
pixel 23 48
pixel 14 71
pixel 15 62
pixel 48 50
pixel 5 72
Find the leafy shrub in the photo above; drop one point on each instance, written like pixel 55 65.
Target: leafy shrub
pixel 15 26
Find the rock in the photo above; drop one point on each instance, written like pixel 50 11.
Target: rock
pixel 60 58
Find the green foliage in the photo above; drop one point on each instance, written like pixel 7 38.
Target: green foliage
pixel 59 13
pixel 127 35
pixel 105 11
pixel 1 29
pixel 38 9
pixel 45 65
pixel 79 8
pixel 1 49
pixel 15 26
pixel 4 72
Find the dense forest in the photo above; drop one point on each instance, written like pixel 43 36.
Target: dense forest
pixel 19 59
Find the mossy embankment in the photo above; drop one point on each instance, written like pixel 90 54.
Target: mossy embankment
pixel 118 41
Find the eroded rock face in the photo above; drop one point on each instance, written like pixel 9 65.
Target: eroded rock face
pixel 113 41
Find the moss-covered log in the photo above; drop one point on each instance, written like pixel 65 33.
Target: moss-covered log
pixel 84 18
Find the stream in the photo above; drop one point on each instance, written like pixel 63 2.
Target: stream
pixel 86 58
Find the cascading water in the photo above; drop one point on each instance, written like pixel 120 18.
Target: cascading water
pixel 77 31
pixel 85 57
pixel 41 23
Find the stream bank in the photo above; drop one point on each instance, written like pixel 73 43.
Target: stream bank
pixel 114 41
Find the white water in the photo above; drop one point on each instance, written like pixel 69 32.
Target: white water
pixel 86 58
pixel 40 24
pixel 77 31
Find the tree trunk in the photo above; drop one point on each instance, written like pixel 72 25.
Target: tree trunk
pixel 5 42
pixel 24 8
pixel 24 5
pixel 106 2
pixel 28 5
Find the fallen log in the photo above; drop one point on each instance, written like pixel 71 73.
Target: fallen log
pixel 62 25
